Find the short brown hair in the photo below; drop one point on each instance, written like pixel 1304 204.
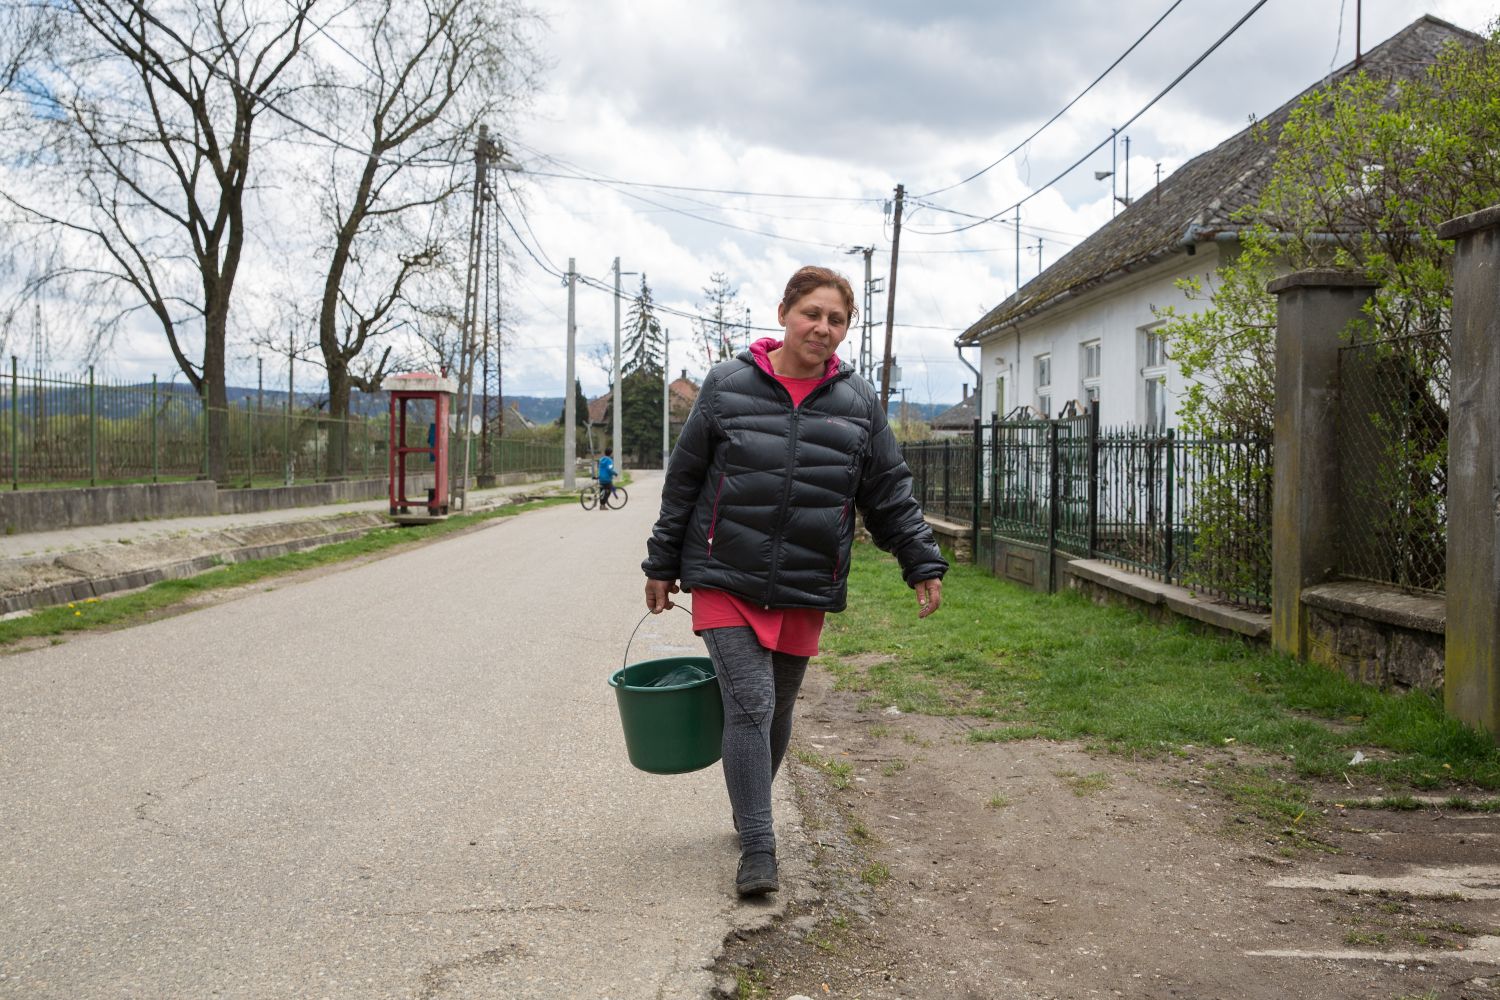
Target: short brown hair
pixel 811 278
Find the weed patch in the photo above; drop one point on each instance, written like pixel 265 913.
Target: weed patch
pixel 1060 667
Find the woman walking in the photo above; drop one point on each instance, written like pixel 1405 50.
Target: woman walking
pixel 783 445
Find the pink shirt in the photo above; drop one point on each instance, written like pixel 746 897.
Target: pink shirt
pixel 786 630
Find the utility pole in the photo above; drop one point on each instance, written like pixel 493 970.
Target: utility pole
pixel 666 397
pixel 866 363
pixel 1158 183
pixel 890 302
pixel 570 400
pixel 467 359
pixel 619 387
pixel 1127 171
pixel 1114 168
pixel 1017 221
pixel 1359 56
pixel 1038 256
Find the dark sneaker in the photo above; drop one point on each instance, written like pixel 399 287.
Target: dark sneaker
pixel 757 874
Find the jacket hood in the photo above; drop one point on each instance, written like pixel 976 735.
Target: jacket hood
pixel 759 354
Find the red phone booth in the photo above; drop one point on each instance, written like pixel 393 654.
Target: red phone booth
pixel 405 390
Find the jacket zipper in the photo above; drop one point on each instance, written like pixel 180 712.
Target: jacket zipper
pixel 786 499
pixel 786 493
pixel 713 518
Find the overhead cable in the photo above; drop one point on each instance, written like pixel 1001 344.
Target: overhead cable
pixel 1106 140
pixel 1022 144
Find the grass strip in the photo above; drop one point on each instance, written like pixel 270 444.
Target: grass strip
pixel 1059 667
pixel 132 608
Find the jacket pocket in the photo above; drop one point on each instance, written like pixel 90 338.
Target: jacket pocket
pixel 838 551
pixel 713 517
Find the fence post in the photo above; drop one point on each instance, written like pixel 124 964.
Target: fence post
pixel 1168 505
pixel 1471 683
pixel 15 426
pixel 974 505
pixel 93 431
pixel 1093 500
pixel 1052 506
pixel 155 409
pixel 1313 310
pixel 203 414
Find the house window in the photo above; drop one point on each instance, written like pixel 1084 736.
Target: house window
pixel 1154 410
pixel 1044 384
pixel 1090 367
pixel 1156 403
pixel 1091 360
pixel 1156 349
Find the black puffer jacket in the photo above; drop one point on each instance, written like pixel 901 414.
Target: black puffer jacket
pixel 760 496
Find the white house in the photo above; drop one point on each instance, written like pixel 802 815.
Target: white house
pixel 1085 328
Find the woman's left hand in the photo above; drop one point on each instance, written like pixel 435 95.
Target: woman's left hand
pixel 929 596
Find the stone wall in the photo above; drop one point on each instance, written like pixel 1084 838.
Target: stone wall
pixel 1377 635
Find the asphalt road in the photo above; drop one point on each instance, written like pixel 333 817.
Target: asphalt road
pixel 404 779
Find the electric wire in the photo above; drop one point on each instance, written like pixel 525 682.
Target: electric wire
pixel 1022 144
pixel 1105 141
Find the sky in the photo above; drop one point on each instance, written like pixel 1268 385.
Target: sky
pixel 815 111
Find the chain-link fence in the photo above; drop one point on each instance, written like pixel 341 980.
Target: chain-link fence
pixel 60 431
pixel 1393 454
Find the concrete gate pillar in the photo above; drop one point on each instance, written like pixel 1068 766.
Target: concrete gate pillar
pixel 1312 312
pixel 1471 685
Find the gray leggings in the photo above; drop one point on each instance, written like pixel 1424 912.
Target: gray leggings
pixel 759 688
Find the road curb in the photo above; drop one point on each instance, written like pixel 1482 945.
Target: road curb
pixel 99 571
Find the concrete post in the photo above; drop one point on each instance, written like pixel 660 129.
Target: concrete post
pixel 1471 684
pixel 1313 310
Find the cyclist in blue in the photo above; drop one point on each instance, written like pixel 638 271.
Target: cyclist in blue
pixel 606 478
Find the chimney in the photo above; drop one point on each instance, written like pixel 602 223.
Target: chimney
pixel 966 392
pixel 684 374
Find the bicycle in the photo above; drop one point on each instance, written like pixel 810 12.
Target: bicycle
pixel 589 497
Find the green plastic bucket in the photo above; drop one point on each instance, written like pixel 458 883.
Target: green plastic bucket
pixel 669 730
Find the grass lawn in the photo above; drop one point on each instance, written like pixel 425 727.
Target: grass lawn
pixel 139 605
pixel 1059 667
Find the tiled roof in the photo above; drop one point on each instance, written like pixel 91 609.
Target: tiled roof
pixel 1198 201
pixel 684 395
pixel 960 417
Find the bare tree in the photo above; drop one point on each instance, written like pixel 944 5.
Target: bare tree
pixel 136 124
pixel 721 326
pixel 404 87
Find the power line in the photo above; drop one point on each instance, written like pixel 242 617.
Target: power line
pixel 603 179
pixel 1021 145
pixel 1106 140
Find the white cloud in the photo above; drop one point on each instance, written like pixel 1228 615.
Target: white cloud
pixel 846 99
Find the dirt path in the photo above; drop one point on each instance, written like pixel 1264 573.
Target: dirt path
pixel 1036 870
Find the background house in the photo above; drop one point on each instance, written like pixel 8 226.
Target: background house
pixel 957 421
pixel 683 393
pixel 1086 328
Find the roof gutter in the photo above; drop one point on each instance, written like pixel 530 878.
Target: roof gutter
pixel 965 360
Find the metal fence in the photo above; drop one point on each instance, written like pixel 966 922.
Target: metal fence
pixel 58 431
pixel 1187 510
pixel 943 476
pixel 1393 452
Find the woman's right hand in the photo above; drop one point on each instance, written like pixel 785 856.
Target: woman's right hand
pixel 657 595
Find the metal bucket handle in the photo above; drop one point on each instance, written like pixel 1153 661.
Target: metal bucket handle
pixel 626 658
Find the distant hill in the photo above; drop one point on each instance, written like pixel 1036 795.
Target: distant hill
pixel 918 411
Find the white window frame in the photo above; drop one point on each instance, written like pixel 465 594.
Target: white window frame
pixel 1091 349
pixel 1041 367
pixel 1154 372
